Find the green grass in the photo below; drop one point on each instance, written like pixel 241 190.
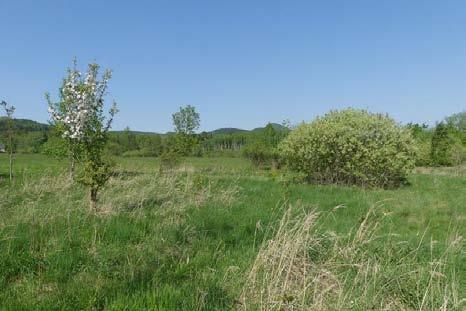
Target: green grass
pixel 185 242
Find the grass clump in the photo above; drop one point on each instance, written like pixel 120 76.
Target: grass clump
pixel 303 267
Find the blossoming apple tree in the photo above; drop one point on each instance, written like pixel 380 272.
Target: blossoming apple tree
pixel 80 116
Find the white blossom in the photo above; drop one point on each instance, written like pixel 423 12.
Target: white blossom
pixel 82 101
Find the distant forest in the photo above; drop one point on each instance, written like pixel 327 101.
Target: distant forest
pixel 35 137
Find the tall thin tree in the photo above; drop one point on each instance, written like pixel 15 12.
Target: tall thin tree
pixel 9 110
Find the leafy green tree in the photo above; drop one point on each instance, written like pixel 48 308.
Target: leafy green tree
pixel 56 147
pixel 31 142
pixel 457 122
pixel 150 145
pixel 186 121
pixel 442 145
pixel 129 141
pixel 422 135
pixel 9 111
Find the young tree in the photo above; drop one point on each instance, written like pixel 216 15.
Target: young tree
pixel 9 110
pixel 69 114
pixel 457 122
pixel 186 122
pixel 129 141
pixel 442 145
pixel 81 112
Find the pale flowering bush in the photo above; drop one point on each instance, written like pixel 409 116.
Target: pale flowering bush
pixel 351 147
pixel 80 116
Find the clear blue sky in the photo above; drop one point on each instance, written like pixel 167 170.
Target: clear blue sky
pixel 241 63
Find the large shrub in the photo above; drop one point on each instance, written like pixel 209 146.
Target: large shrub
pixel 351 147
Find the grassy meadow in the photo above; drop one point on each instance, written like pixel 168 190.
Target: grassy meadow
pixel 218 234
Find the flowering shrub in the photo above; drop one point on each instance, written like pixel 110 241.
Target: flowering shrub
pixel 351 147
pixel 80 115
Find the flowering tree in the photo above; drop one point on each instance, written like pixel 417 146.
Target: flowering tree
pixel 80 115
pixel 68 114
pixel 9 110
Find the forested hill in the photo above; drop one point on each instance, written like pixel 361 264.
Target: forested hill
pixel 24 125
pixel 34 137
pixel 232 130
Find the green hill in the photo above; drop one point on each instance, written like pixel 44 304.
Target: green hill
pixel 24 125
pixel 227 130
pixel 277 127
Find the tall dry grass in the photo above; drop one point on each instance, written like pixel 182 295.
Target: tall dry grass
pixel 300 268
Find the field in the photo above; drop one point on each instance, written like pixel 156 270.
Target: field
pixel 188 239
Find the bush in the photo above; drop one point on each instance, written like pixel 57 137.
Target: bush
pixel 55 147
pixel 260 154
pixel 169 160
pixel 458 153
pixel 351 147
pixel 423 153
pixel 113 148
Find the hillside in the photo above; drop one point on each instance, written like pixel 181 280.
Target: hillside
pixel 277 127
pixel 24 125
pixel 227 130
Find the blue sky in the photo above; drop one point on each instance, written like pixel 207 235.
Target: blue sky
pixel 241 63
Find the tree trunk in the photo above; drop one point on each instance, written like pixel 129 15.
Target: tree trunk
pixel 93 199
pixel 11 165
pixel 11 157
pixel 72 165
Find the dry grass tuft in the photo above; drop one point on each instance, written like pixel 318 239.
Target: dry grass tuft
pixel 172 191
pixel 302 269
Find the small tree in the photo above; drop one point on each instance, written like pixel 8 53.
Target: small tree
pixel 129 141
pixel 69 113
pixel 457 123
pixel 84 122
pixel 442 145
pixel 186 121
pixel 9 110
